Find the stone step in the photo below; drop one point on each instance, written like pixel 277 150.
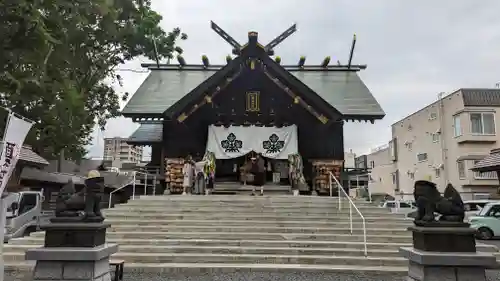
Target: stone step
pixel 235 198
pixel 251 205
pixel 235 213
pixel 257 229
pixel 246 200
pixel 243 258
pixel 287 206
pixel 253 209
pixel 284 223
pixel 234 250
pixel 38 242
pixel 248 188
pixel 357 272
pixel 249 217
pixel 251 236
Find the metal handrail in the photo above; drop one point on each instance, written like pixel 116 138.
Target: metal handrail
pixel 133 182
pixel 351 205
pixel 120 188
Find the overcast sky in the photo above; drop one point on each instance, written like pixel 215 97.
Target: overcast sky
pixel 413 49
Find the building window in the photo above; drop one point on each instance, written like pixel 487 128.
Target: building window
pixel 432 116
pixel 409 145
pixel 461 169
pixel 372 164
pixel 435 137
pixel 484 175
pixel 457 128
pixel 482 123
pixel 394 178
pixel 421 157
pixel 438 172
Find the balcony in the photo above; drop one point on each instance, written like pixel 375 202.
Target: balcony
pixel 476 138
pixel 485 176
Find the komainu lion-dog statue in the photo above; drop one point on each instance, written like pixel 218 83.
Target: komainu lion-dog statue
pixel 72 206
pixel 430 202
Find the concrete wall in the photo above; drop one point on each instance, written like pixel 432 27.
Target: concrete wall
pixel 382 170
pixel 431 131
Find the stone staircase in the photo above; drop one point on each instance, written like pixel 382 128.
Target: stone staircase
pixel 230 188
pixel 238 233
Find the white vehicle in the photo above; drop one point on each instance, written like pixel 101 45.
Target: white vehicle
pixel 474 207
pixel 403 207
pixel 24 213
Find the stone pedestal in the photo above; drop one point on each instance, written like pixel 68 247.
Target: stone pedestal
pixel 73 251
pixel 446 254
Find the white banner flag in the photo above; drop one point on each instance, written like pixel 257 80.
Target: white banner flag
pixel 16 131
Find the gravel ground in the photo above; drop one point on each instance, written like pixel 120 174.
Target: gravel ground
pixel 264 276
pixel 256 276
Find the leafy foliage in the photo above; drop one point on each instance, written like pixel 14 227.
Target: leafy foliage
pixel 59 57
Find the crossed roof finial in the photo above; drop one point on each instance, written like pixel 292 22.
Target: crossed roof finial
pixel 269 48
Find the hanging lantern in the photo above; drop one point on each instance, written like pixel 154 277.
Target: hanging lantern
pixel 277 59
pixel 302 61
pixel 181 60
pixel 205 61
pixel 228 58
pixel 296 100
pixel 325 62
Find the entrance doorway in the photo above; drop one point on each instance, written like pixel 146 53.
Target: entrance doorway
pixel 233 170
pixel 234 145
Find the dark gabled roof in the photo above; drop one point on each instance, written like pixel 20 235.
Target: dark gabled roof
pixel 344 90
pixel 162 89
pixel 147 133
pixel 489 163
pixel 44 176
pixel 481 97
pixel 111 179
pixel 337 86
pixel 202 87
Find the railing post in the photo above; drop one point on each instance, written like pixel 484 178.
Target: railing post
pixel 351 205
pixel 154 185
pixel 338 193
pixel 133 186
pixel 110 197
pixel 364 237
pixel 146 184
pixel 350 216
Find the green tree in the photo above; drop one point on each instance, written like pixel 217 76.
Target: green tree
pixel 59 57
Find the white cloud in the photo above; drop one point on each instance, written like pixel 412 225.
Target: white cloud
pixel 414 50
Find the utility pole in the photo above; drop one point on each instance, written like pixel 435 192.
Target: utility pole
pixel 442 135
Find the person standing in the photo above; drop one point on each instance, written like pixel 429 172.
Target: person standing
pixel 188 173
pixel 259 172
pixel 199 184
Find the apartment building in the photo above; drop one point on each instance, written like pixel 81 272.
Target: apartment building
pixel 382 179
pixel 117 149
pixel 443 141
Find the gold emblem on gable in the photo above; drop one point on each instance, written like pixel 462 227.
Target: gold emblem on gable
pixel 253 102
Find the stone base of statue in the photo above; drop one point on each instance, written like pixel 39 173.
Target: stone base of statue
pixel 446 251
pixel 73 251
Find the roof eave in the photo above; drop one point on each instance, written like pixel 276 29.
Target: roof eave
pixel 363 117
pixel 143 142
pixel 484 169
pixel 201 88
pixel 142 114
pixel 215 67
pixel 294 81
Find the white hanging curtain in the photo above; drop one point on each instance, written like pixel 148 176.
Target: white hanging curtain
pixel 237 141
